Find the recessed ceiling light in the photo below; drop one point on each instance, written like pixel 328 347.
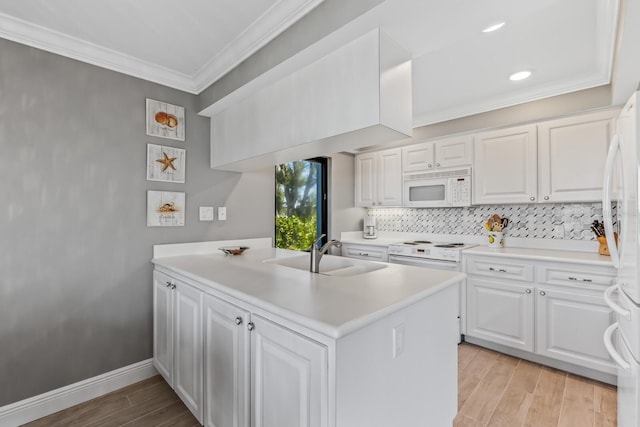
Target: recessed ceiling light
pixel 520 75
pixel 493 27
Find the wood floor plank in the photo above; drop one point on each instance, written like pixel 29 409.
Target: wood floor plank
pixel 464 421
pixel 139 396
pixel 483 400
pixel 605 406
pixel 185 420
pixel 547 399
pixel 161 398
pixel 513 407
pixel 164 414
pixel 577 403
pixel 473 373
pixel 466 353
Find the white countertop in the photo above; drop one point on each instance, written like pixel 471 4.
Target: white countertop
pixel 331 305
pixel 587 258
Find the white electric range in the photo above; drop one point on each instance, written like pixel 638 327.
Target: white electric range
pixel 423 253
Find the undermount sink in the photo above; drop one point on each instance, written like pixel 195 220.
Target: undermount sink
pixel 330 265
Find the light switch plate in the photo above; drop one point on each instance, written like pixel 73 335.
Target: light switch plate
pixel 222 213
pixel 206 213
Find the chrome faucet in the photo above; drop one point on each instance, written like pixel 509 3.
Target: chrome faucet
pixel 316 253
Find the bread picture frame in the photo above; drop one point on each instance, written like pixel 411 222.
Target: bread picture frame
pixel 165 120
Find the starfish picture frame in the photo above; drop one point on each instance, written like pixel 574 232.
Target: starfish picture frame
pixel 167 164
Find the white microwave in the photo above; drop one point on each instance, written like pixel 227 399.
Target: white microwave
pixel 437 189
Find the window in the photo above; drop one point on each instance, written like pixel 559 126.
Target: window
pixel 301 203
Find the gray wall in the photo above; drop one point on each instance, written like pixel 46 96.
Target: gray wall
pixel 75 292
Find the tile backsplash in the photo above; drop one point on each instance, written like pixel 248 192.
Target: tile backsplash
pixel 570 221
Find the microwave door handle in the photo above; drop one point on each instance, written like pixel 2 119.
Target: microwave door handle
pixel 606 200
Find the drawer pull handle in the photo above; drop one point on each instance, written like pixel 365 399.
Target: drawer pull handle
pixel 573 278
pixel 502 270
pixel 492 269
pixel 363 254
pixel 542 293
pixel 528 291
pixel 587 280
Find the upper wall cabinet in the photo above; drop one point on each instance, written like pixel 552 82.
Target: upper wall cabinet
pixel 571 156
pixel 504 166
pixel 357 95
pixel 555 161
pixel 379 178
pixel 445 153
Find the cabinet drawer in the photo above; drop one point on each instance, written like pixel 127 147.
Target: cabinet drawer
pixel 373 253
pixel 500 268
pixel 575 275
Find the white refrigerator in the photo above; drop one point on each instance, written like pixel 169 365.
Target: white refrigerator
pixel 622 338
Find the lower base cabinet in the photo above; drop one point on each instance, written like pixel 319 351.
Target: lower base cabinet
pixel 239 367
pixel 554 310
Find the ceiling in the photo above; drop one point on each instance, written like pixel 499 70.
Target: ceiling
pixel 457 69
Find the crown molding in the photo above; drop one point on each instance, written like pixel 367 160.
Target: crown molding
pixel 274 21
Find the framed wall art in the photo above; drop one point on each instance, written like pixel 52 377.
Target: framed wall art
pixel 166 163
pixel 165 120
pixel 165 208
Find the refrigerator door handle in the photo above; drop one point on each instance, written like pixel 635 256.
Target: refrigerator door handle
pixel 606 200
pixel 608 344
pixel 614 305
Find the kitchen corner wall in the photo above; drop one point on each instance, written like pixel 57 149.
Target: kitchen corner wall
pixel 76 287
pixel 541 221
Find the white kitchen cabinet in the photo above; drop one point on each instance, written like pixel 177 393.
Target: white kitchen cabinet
pixel 570 325
pixel 505 166
pixel 227 361
pixel 178 330
pixel 364 251
pixel 163 301
pixel 378 178
pixel 289 375
pixel 571 155
pixel 446 153
pixel 501 312
pixel 554 311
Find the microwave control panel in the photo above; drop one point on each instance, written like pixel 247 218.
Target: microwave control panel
pixel 460 191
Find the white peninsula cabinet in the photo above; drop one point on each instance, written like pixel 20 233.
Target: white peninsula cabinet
pixel 445 153
pixel 177 332
pixel 378 178
pixel 251 364
pixel 549 312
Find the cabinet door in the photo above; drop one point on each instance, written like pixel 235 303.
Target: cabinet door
pixel 571 156
pixel 366 179
pixel 288 378
pixel 163 325
pixel 454 152
pixel 570 326
pixel 226 364
pixel 188 347
pixel 505 166
pixel 418 157
pixel 501 313
pixel 390 177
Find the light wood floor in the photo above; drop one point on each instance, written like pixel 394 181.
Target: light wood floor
pixel 498 390
pixel 494 390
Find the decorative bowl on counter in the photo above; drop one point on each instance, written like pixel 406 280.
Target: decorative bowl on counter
pixel 233 250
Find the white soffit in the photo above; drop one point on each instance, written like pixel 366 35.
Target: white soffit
pixel 184 45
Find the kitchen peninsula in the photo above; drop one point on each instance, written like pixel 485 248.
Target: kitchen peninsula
pixel 251 337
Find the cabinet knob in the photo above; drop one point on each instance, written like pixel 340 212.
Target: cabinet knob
pixel 429 165
pixel 251 326
pixel 546 197
pixel 528 291
pixel 238 320
pixel 573 278
pixel 532 198
pixel 438 164
pixel 542 293
pixel 168 284
pixel 587 280
pixel 173 286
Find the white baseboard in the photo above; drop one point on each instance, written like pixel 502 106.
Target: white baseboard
pixel 36 407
